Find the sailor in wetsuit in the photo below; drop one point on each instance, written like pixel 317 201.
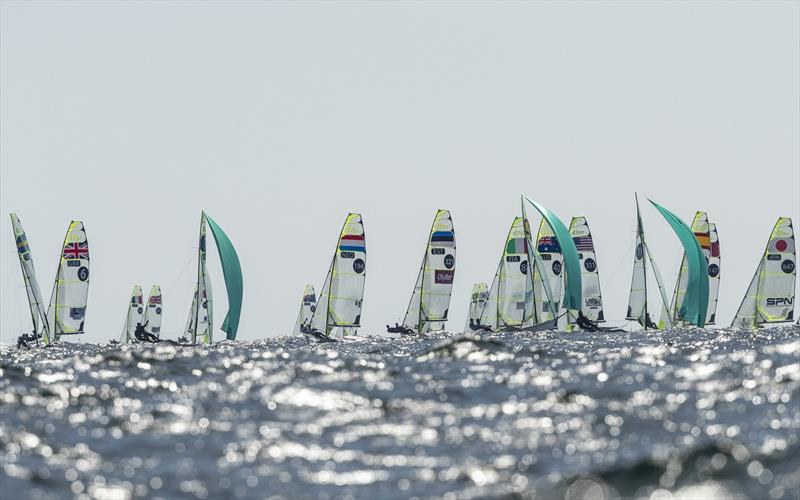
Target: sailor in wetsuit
pixel 22 340
pixel 143 336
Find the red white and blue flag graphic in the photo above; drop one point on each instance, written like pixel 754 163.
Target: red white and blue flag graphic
pixel 583 243
pixel 353 243
pixel 549 244
pixel 76 251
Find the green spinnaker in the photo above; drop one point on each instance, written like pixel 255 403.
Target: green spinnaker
pixel 232 271
pixel 695 304
pixel 572 264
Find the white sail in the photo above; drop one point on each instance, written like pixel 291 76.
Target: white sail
pixel 700 228
pixel 430 300
pixel 638 299
pixel 549 249
pixel 714 270
pixel 154 312
pixel 307 306
pixel 200 323
pixel 342 295
pixel 592 307
pixel 510 302
pixel 770 296
pixel 134 317
pixel 67 310
pixel 477 301
pixel 191 327
pixel 34 293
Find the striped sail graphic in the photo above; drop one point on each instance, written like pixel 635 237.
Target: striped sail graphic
pixel 134 317
pixel 477 301
pixel 770 296
pixel 340 300
pixel 592 307
pixel 430 301
pixel 307 305
pixel 510 301
pixel 32 290
pixel 67 310
pixel 154 311
pixel 548 247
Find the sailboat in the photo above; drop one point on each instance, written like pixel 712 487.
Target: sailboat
pixel 154 312
pixel 592 306
pixel 477 301
pixel 307 306
pixel 340 300
pixel 706 235
pixel 770 296
pixel 200 325
pixel 32 290
pixel 694 306
pixel 430 300
pixel 134 317
pixel 67 310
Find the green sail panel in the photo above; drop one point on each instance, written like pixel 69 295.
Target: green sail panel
pixel 695 303
pixel 572 264
pixel 232 271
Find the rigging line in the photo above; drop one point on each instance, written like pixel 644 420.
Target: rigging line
pixel 182 271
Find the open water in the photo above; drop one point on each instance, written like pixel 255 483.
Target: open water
pixel 689 414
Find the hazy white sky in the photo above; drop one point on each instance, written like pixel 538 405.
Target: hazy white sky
pixel 279 118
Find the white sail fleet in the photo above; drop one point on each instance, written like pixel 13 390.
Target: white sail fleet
pixel 550 281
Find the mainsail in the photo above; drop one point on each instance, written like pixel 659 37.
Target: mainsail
pixel 592 306
pixel 430 300
pixel 714 265
pixel 477 301
pixel 770 296
pixel 307 306
pixel 510 301
pixel 34 293
pixel 67 310
pixel 154 311
pixel 549 248
pixel 637 299
pixel 200 322
pixel 134 316
pixel 339 303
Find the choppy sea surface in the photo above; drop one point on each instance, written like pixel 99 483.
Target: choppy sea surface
pixel 689 414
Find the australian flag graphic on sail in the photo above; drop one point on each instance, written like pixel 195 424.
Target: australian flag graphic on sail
pixel 76 251
pixel 549 244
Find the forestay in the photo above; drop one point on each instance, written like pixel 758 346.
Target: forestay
pixel 592 307
pixel 67 310
pixel 32 290
pixel 307 305
pixel 154 312
pixel 427 310
pixel 339 303
pixel 770 296
pixel 134 317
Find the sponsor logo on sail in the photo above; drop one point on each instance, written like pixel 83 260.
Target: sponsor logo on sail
pixel 444 277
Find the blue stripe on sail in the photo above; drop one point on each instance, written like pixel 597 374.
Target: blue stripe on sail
pixel 349 248
pixel 443 236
